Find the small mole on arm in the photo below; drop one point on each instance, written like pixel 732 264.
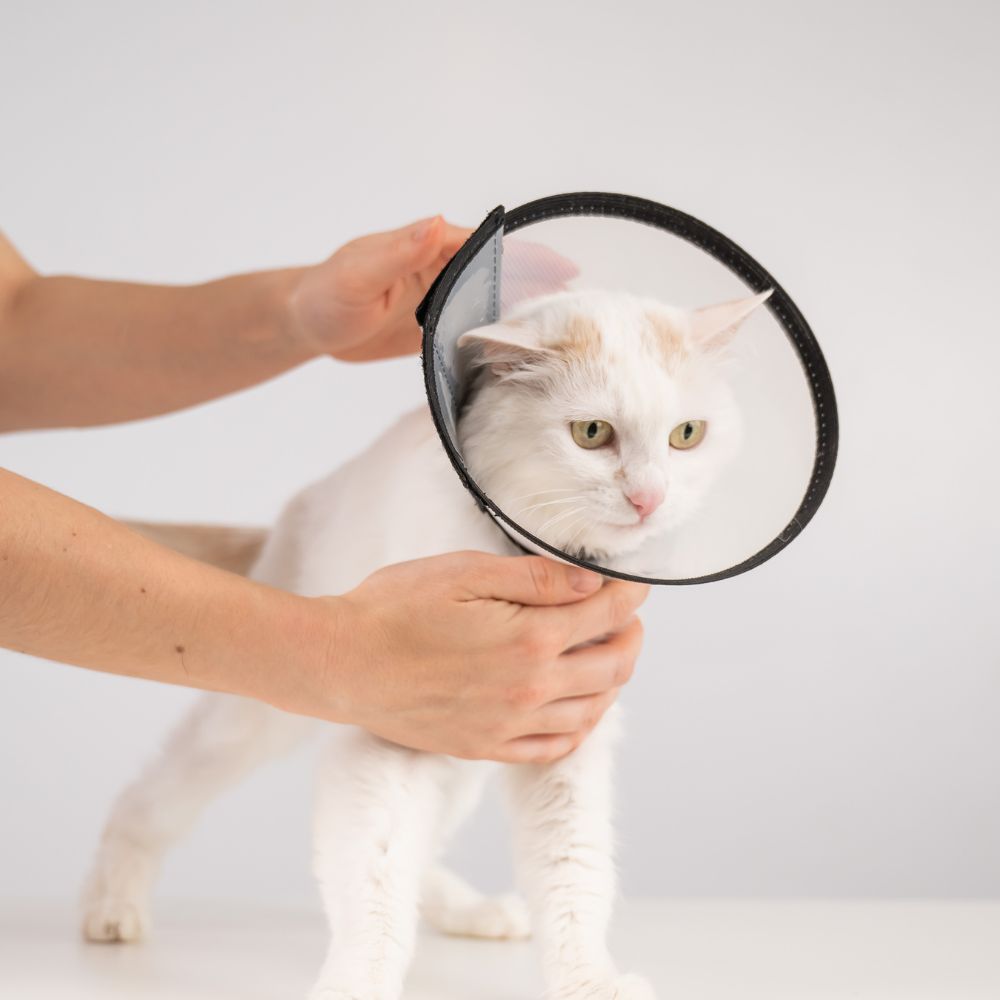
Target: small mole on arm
pixel 180 649
pixel 142 590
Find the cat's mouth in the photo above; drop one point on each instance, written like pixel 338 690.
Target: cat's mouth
pixel 639 524
pixel 608 539
pixel 603 533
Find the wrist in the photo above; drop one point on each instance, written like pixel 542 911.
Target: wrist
pixel 298 311
pixel 309 668
pixel 277 329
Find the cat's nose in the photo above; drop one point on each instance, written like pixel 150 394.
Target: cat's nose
pixel 645 501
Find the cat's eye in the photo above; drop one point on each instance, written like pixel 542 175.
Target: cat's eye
pixel 688 434
pixel 591 433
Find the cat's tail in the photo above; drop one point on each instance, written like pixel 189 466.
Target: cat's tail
pixel 232 548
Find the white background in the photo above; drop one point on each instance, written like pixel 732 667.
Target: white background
pixel 826 725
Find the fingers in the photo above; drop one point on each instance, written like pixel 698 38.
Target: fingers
pixel 379 260
pixel 587 610
pixel 594 675
pixel 535 580
pixel 546 747
pixel 572 715
pixel 542 749
pixel 606 611
pixel 453 237
pixel 426 243
pixel 419 245
pixel 600 667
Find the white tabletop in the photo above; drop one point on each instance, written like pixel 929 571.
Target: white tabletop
pixel 690 950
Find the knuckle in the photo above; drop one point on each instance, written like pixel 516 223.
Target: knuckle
pixel 345 263
pixel 622 607
pixel 627 599
pixel 542 575
pixel 472 559
pixel 625 670
pixel 526 695
pixel 625 660
pixel 467 563
pixel 536 645
pixel 591 717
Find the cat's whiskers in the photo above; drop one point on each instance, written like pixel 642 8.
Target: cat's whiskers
pixel 538 493
pixel 562 515
pixel 568 547
pixel 548 503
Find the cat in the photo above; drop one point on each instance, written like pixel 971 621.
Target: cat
pixel 598 420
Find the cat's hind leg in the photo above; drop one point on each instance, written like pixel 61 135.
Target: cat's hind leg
pixel 448 903
pixel 564 846
pixel 452 906
pixel 220 741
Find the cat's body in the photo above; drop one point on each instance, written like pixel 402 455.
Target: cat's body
pixel 384 813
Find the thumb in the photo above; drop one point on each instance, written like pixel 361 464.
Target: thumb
pixel 538 581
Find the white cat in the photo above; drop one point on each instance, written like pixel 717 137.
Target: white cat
pixel 598 421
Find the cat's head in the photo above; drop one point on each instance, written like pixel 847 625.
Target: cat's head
pixel 598 420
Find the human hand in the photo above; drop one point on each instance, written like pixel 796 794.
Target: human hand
pixel 482 656
pixel 359 305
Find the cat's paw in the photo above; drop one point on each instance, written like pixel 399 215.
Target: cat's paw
pixel 114 920
pixel 495 918
pixel 626 987
pixel 116 895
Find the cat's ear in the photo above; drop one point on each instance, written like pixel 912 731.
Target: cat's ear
pixel 713 327
pixel 504 346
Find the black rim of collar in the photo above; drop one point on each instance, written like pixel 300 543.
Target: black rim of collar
pixel 718 246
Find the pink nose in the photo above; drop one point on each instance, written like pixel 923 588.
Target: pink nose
pixel 645 501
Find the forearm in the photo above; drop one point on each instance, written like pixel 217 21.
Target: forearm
pixel 77 352
pixel 77 587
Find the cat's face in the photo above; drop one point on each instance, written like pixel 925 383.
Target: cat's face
pixel 599 420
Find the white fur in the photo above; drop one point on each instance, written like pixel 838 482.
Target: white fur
pixel 514 437
pixel 384 813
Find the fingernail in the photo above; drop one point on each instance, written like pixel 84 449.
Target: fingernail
pixel 423 228
pixel 583 580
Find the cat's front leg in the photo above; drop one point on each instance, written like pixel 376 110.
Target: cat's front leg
pixel 378 822
pixel 564 845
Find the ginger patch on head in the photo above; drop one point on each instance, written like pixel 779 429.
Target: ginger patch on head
pixel 665 340
pixel 580 339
